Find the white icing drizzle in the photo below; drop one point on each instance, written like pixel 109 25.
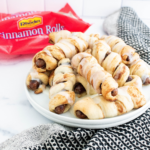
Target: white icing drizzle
pixel 47 52
pixel 97 99
pixel 118 47
pixel 86 65
pixel 65 63
pixel 77 58
pixel 63 69
pixel 62 34
pixel 142 66
pixel 98 75
pixel 110 39
pixel 138 83
pixel 93 96
pixel 104 43
pixel 88 88
pixel 80 42
pixel 135 62
pixel 90 67
pixel 111 57
pixel 129 55
pixel 65 49
pixel 144 76
pixel 53 91
pixel 34 75
pixel 93 72
pixel 124 91
pixel 91 41
pixel 69 99
pixel 71 46
pixel 81 35
pixel 42 86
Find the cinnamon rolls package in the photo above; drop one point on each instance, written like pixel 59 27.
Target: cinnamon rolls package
pixel 33 27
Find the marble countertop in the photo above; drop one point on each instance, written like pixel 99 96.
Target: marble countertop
pixel 16 113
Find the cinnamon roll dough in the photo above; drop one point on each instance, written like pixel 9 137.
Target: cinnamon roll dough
pixel 36 81
pixel 61 93
pixel 128 98
pixel 102 82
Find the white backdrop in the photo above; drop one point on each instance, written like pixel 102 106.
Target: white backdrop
pixel 93 9
pixel 84 8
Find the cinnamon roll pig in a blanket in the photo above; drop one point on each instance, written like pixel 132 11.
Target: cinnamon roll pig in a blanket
pixel 103 83
pixel 110 61
pixel 61 93
pixel 48 58
pixel 129 57
pixel 37 81
pixel 128 98
pixel 55 37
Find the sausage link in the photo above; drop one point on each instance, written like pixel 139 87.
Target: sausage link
pixel 114 92
pixel 78 88
pixel 60 109
pixel 80 114
pixel 34 85
pixel 129 79
pixel 147 81
pixel 40 63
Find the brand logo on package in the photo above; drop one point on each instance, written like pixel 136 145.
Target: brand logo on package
pixel 31 22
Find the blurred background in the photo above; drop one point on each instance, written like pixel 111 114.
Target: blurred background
pixel 91 9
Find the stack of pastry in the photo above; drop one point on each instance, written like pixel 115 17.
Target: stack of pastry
pixel 110 61
pixel 129 57
pixel 128 98
pixel 37 81
pixel 61 93
pixel 113 101
pixel 78 64
pixel 47 60
pixel 102 82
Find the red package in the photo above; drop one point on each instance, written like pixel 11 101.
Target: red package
pixel 27 32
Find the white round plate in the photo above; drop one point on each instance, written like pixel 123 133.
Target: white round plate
pixel 41 102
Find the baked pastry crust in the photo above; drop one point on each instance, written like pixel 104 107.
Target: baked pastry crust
pixel 55 37
pixel 128 98
pixel 86 85
pixel 136 81
pixel 89 108
pixel 51 62
pixel 63 97
pixel 42 78
pixel 129 57
pixel 62 81
pixel 102 81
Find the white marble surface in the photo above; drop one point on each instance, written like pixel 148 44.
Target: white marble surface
pixel 16 113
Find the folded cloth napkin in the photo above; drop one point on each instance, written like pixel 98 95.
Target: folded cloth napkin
pixel 128 26
pixel 132 135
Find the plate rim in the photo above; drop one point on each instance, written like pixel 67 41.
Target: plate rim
pixel 97 126
pixel 90 122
